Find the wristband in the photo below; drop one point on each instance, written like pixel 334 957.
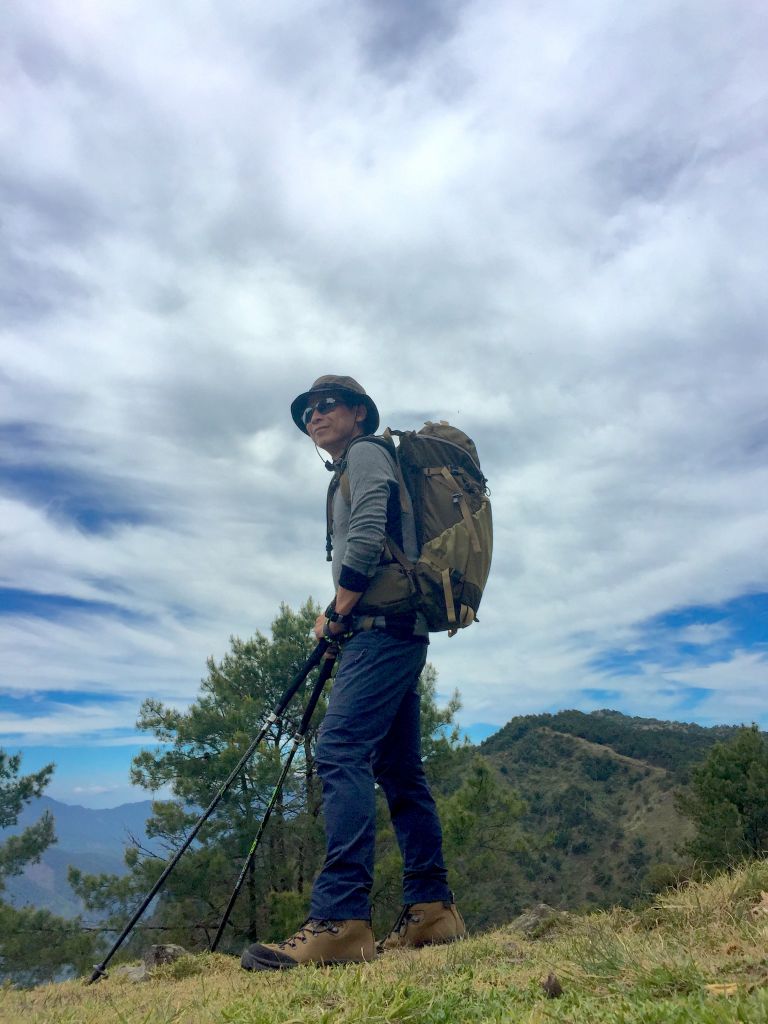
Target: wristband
pixel 343 620
pixel 332 636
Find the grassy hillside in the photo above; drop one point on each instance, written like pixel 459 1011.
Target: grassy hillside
pixel 698 954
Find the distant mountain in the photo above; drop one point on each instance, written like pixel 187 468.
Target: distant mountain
pixel 674 746
pixel 90 839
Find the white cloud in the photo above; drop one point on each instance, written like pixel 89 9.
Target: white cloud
pixel 703 634
pixel 93 790
pixel 547 225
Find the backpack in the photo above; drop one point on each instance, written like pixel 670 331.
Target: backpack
pixel 440 480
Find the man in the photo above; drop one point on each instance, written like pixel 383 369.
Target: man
pixel 371 728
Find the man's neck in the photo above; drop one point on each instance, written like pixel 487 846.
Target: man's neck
pixel 337 451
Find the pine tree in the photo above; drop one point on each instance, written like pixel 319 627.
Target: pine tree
pixel 200 747
pixel 26 848
pixel 35 945
pixel 727 801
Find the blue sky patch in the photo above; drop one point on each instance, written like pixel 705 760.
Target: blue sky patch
pixel 745 618
pixel 92 504
pixel 479 731
pixel 696 635
pixel 14 601
pixel 96 776
pixel 43 702
pixel 600 696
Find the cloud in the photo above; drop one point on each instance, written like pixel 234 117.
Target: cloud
pixel 93 790
pixel 65 721
pixel 546 225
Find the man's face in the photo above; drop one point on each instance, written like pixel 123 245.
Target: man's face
pixel 332 429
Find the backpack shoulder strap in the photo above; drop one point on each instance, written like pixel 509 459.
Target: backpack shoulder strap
pixel 398 501
pixel 340 481
pixel 382 440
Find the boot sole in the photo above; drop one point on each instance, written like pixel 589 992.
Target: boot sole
pixel 252 963
pixel 380 948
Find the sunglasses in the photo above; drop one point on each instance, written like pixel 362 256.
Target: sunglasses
pixel 322 405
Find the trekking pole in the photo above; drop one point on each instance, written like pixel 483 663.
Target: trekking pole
pixel 99 970
pixel 325 674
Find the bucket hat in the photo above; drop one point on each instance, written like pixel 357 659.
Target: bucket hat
pixel 346 388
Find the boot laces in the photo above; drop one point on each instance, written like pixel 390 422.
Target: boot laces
pixel 314 927
pixel 403 919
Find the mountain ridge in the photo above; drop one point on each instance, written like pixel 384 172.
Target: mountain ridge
pixel 92 839
pixel 598 790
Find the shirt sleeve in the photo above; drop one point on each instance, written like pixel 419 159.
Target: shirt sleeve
pixel 371 477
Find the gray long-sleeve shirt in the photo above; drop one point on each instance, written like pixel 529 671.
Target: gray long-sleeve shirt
pixel 359 527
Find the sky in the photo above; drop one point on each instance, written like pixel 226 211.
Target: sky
pixel 545 223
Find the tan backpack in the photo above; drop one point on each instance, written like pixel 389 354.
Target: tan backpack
pixel 440 479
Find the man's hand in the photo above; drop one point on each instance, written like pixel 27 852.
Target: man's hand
pixel 344 601
pixel 335 628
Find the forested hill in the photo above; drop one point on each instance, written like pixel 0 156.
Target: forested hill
pixel 597 822
pixel 674 746
pixel 600 810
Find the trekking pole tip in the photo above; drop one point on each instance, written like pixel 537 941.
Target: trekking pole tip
pixel 98 973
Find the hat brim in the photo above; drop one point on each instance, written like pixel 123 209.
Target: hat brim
pixel 370 423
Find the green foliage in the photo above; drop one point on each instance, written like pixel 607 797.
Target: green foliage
pixel 15 791
pixel 201 746
pixel 727 800
pixel 586 807
pixel 440 736
pixel 483 843
pixel 35 945
pixel 662 876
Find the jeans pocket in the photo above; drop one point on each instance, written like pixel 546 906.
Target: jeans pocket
pixel 350 657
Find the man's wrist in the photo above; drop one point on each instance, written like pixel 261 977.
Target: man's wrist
pixel 332 630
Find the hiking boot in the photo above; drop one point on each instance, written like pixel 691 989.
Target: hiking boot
pixel 425 924
pixel 316 942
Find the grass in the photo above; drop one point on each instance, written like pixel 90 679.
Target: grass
pixel 699 954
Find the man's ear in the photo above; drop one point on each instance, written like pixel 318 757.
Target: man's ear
pixel 361 414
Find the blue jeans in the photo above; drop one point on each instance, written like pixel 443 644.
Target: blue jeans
pixel 371 731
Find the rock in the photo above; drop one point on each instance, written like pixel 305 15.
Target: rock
pixel 155 956
pixel 534 921
pixel 131 973
pixel 761 909
pixel 513 953
pixel 552 986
